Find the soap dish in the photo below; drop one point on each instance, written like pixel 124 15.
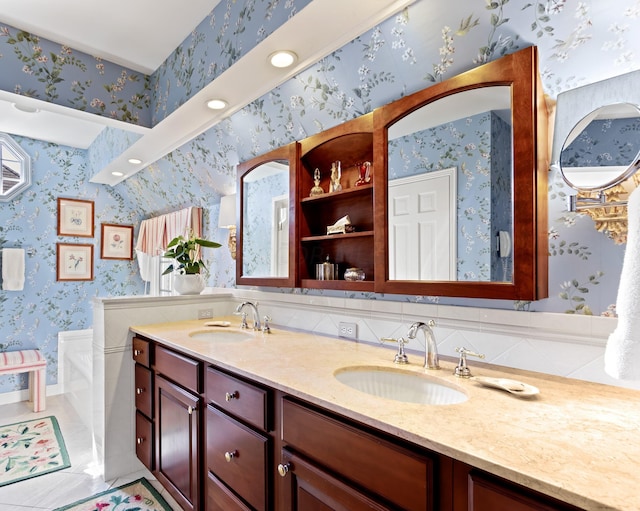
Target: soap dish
pixel 217 323
pixel 514 387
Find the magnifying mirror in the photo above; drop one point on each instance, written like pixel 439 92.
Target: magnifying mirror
pixel 603 149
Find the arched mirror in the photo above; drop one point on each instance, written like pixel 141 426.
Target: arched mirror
pixel 603 149
pixel 462 196
pixel 16 169
pixel 266 186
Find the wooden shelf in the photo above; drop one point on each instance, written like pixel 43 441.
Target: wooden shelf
pixel 350 193
pixel 337 237
pixel 340 285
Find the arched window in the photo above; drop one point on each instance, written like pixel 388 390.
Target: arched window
pixel 16 169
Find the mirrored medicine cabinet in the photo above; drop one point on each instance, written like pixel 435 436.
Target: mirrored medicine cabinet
pixel 456 205
pixel 266 244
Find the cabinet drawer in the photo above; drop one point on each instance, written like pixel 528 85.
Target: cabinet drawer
pixel 487 493
pixel 244 400
pixel 183 370
pixel 144 390
pixel 220 498
pixel 373 463
pixel 144 440
pixel 142 351
pixel 238 456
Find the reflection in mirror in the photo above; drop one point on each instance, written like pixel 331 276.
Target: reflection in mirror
pixel 450 175
pixel 603 148
pixel 16 169
pixel 265 221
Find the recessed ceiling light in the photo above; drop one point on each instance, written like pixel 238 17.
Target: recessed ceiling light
pixel 216 104
pixel 134 161
pixel 25 109
pixel 282 58
pixel 117 173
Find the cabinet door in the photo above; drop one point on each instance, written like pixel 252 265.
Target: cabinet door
pixel 308 488
pixel 144 440
pixel 490 494
pixel 178 442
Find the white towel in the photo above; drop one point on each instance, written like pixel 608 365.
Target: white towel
pixel 12 269
pixel 622 354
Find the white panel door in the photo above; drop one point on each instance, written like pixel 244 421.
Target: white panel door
pixel 422 226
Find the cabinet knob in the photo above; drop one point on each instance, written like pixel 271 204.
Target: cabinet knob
pixel 230 455
pixel 231 395
pixel 283 469
pixel 139 390
pixel 137 352
pixel 139 440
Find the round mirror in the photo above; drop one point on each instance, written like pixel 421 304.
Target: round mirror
pixel 603 149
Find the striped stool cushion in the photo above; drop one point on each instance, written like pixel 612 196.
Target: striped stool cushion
pixel 21 361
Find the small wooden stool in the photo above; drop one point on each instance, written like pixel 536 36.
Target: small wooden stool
pixel 31 361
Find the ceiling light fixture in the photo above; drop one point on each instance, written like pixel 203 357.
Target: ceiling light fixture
pixel 216 104
pixel 282 58
pixel 25 109
pixel 134 161
pixel 117 173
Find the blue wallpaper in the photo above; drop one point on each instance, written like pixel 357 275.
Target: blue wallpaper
pixel 35 67
pixel 579 43
pixel 33 317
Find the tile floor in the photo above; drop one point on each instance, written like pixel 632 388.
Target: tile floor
pixel 63 487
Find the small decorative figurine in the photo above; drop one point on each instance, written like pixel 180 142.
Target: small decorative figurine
pixel 364 173
pixel 317 189
pixel 336 174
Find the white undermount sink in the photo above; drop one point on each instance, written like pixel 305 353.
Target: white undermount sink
pixel 220 335
pixel 399 385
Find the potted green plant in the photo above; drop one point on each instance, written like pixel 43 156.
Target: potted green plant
pixel 188 265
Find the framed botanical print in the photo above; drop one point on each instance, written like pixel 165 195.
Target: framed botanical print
pixel 74 262
pixel 75 217
pixel 116 241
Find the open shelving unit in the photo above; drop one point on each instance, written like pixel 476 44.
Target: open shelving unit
pixel 350 143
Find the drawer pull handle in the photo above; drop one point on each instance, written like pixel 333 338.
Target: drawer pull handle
pixel 139 440
pixel 139 390
pixel 283 469
pixel 231 395
pixel 230 455
pixel 137 353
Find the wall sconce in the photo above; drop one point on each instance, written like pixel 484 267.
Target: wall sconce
pixel 227 220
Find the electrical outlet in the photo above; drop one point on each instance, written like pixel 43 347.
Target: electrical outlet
pixel 349 330
pixel 205 313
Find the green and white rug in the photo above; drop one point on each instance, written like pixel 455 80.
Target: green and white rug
pixel 31 448
pixel 138 495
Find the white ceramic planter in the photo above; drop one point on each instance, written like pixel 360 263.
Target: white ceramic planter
pixel 188 284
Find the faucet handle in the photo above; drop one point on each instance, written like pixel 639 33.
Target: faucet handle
pixel 401 356
pixel 461 369
pixel 243 320
pixel 266 329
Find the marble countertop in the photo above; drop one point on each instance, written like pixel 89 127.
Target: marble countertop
pixel 576 441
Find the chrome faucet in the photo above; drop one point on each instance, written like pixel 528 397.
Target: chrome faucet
pixel 430 346
pixel 256 315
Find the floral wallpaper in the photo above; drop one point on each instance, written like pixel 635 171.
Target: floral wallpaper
pixel 35 67
pixel 579 43
pixel 33 317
